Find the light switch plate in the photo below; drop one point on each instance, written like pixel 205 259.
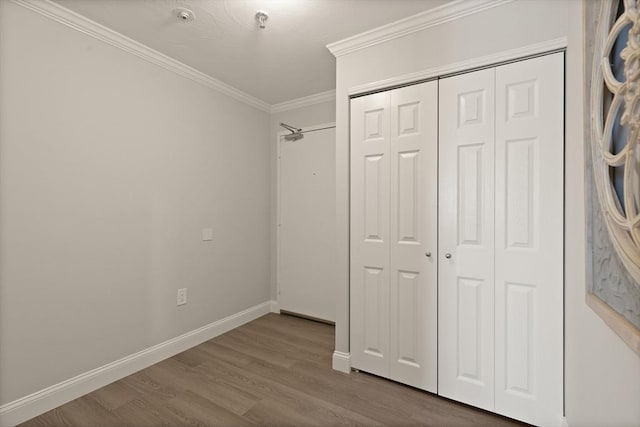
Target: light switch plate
pixel 207 234
pixel 181 297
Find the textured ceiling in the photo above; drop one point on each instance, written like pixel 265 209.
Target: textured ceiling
pixel 287 60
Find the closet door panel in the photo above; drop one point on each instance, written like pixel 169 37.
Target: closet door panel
pixel 370 233
pixel 413 235
pixel 529 243
pixel 466 240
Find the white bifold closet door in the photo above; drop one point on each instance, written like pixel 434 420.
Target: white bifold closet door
pixel 466 256
pixel 394 234
pixel 501 239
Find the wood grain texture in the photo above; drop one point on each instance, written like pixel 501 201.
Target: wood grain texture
pixel 274 371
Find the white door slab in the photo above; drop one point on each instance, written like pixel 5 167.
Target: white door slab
pixel 414 231
pixel 306 283
pixel 369 265
pixel 529 243
pixel 466 239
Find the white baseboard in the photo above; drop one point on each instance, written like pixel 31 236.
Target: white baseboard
pixel 30 406
pixel 342 362
pixel 275 307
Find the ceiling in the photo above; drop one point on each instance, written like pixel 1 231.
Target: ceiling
pixel 286 60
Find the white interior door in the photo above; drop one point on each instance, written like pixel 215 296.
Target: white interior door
pixel 499 256
pixel 306 283
pixel 394 234
pixel 529 244
pixel 501 269
pixel 466 241
pixel 369 265
pixel 413 235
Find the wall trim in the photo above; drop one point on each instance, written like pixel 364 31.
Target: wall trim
pixel 341 361
pixel 37 403
pixel 457 67
pixel 564 422
pixel 305 101
pixel 429 18
pixel 91 28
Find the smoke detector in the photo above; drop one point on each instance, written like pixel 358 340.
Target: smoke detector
pixel 184 15
pixel 261 17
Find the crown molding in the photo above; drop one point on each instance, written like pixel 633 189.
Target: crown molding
pixel 91 28
pixel 305 101
pixel 429 18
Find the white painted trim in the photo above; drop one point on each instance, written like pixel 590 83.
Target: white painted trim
pixel 564 422
pixel 457 67
pixel 430 18
pixel 84 25
pixel 51 397
pixel 305 101
pixel 342 362
pixel 278 192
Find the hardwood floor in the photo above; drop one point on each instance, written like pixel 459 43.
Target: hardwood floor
pixel 274 371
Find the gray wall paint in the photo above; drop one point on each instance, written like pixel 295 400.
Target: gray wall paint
pixel 109 168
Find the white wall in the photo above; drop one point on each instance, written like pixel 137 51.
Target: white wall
pixel 109 168
pixel 303 117
pixel 602 374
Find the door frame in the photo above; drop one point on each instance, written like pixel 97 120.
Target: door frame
pixel 341 359
pixel 279 139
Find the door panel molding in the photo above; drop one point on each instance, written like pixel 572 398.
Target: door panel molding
pixel 529 246
pixel 499 256
pixel 393 227
pixel 466 238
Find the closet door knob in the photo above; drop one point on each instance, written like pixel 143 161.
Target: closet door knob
pixel 447 256
pixel 427 254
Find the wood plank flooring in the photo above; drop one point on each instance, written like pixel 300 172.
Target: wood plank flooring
pixel 274 371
